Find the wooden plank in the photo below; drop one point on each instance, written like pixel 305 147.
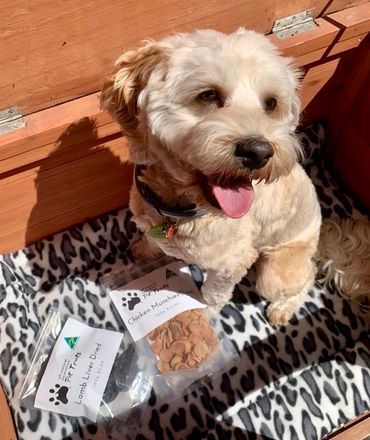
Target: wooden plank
pixel 51 118
pixel 353 21
pixel 315 79
pixel 32 204
pixel 53 52
pixel 322 83
pixel 339 5
pixel 358 78
pixel 68 146
pixel 42 185
pixel 353 146
pixel 26 234
pixel 360 118
pixel 345 45
pixel 7 431
pixel 358 429
pixel 324 53
pixel 310 57
pixel 321 36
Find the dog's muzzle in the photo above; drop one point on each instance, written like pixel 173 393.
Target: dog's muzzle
pixel 254 153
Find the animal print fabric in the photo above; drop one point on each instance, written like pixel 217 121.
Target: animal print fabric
pixel 299 382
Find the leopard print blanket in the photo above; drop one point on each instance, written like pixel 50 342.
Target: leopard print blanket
pixel 299 382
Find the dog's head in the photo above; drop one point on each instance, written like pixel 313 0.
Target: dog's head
pixel 218 111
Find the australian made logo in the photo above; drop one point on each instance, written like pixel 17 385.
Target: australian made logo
pixel 72 341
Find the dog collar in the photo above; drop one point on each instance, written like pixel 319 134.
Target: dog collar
pixel 164 210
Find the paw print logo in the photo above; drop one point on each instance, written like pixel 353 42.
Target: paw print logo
pixel 59 394
pixel 131 301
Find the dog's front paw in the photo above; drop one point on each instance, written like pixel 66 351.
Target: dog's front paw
pixel 214 310
pixel 211 297
pixel 279 313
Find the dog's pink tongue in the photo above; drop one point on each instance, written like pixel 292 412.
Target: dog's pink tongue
pixel 234 202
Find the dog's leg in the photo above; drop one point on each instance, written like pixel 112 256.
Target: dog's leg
pixel 145 249
pixel 279 312
pixel 285 275
pixel 219 286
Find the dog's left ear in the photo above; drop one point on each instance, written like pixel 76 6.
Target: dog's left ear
pixel 295 104
pixel 121 91
pixel 295 109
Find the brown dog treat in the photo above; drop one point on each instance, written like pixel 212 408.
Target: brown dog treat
pixel 181 366
pixel 194 338
pixel 213 341
pixel 203 321
pixel 163 367
pixel 182 319
pixel 178 347
pixel 195 327
pixel 183 342
pixel 157 347
pixel 176 330
pixel 201 350
pixel 192 363
pixel 175 361
pixel 165 355
pixel 153 334
pixel 207 332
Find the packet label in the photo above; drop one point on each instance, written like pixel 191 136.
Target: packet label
pixel 78 370
pixel 149 301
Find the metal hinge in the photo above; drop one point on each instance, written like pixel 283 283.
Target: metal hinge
pixel 10 119
pixel 293 24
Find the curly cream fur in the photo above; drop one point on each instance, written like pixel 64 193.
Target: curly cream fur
pixel 153 95
pixel 344 256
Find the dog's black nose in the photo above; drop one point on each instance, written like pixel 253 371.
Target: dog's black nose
pixel 255 153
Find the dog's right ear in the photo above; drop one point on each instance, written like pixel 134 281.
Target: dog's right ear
pixel 121 91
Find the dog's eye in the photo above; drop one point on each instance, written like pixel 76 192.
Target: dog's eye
pixel 209 96
pixel 270 104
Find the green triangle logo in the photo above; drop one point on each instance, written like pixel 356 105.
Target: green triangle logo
pixel 72 342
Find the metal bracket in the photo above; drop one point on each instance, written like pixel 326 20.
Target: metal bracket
pixel 293 24
pixel 10 119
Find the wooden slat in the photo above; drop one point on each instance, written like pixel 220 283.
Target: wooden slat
pixel 53 52
pixel 334 34
pixel 354 21
pixel 324 53
pixel 339 5
pixel 45 199
pixel 345 45
pixel 7 431
pixel 315 80
pixel 30 233
pixel 350 156
pixel 358 429
pixel 321 36
pixel 360 119
pixel 57 150
pixel 56 117
pixel 343 102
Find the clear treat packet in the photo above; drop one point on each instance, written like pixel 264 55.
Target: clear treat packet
pixel 81 371
pixel 175 336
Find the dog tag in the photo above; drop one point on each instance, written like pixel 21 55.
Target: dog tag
pixel 158 231
pixel 165 230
